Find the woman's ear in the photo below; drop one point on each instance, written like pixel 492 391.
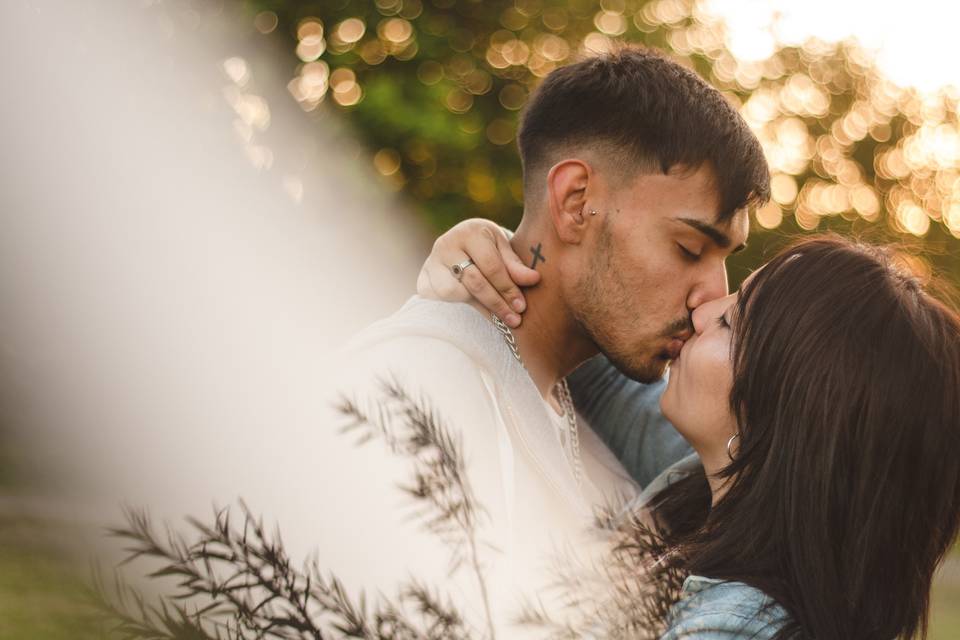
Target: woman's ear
pixel 567 184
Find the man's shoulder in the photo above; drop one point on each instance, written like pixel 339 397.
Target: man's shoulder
pixel 421 319
pixel 431 346
pixel 426 353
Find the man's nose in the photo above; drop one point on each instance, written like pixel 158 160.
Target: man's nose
pixel 711 285
pixel 697 320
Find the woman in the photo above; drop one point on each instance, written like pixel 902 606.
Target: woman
pixel 823 403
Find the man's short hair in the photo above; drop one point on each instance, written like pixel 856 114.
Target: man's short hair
pixel 651 114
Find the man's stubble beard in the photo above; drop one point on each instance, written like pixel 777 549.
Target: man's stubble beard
pixel 596 292
pixel 645 368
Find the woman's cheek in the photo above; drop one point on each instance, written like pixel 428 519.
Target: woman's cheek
pixel 714 383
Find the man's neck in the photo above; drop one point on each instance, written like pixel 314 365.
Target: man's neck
pixel 551 343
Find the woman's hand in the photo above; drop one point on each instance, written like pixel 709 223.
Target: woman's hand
pixel 491 284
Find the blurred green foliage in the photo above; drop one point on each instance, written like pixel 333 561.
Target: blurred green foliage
pixel 434 89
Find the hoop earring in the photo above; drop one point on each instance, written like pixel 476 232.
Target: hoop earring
pixel 730 442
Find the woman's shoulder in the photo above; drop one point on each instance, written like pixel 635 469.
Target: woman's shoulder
pixel 712 609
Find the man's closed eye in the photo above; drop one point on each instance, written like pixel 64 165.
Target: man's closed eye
pixel 688 254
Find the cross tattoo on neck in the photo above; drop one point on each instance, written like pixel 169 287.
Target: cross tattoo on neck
pixel 537 256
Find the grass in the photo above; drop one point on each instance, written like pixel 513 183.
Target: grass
pixel 945 603
pixel 41 591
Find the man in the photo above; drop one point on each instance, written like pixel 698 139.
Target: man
pixel 629 216
pixel 636 175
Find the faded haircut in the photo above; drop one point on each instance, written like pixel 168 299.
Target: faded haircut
pixel 648 114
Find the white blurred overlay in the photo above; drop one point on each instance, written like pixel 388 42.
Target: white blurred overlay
pixel 181 248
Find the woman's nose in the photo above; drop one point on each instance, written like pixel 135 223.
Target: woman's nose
pixel 699 318
pixel 703 314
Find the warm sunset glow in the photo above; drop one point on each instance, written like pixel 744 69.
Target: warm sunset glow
pixel 855 113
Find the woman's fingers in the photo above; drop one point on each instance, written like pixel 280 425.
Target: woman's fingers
pixel 437 281
pixel 487 295
pixel 487 253
pixel 488 281
pixel 520 273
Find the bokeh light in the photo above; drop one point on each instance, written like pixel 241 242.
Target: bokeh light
pixel 850 145
pixel 266 22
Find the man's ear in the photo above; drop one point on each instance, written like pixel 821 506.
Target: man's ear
pixel 567 184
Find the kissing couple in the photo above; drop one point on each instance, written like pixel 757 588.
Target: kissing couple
pixel 791 451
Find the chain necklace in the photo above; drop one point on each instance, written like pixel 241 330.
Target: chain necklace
pixel 566 402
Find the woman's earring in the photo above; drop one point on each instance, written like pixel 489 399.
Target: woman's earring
pixel 593 212
pixel 730 442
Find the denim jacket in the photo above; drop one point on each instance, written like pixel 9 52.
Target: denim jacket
pixel 716 610
pixel 626 415
pixel 711 609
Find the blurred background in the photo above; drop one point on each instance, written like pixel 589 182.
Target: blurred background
pixel 201 198
pixel 855 102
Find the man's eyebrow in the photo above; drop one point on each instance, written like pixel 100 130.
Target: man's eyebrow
pixel 718 237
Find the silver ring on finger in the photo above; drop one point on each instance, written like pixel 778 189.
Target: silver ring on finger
pixel 458 269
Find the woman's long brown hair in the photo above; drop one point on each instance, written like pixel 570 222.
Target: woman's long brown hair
pixel 844 492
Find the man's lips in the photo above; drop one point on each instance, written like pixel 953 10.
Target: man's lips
pixel 676 342
pixel 674 347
